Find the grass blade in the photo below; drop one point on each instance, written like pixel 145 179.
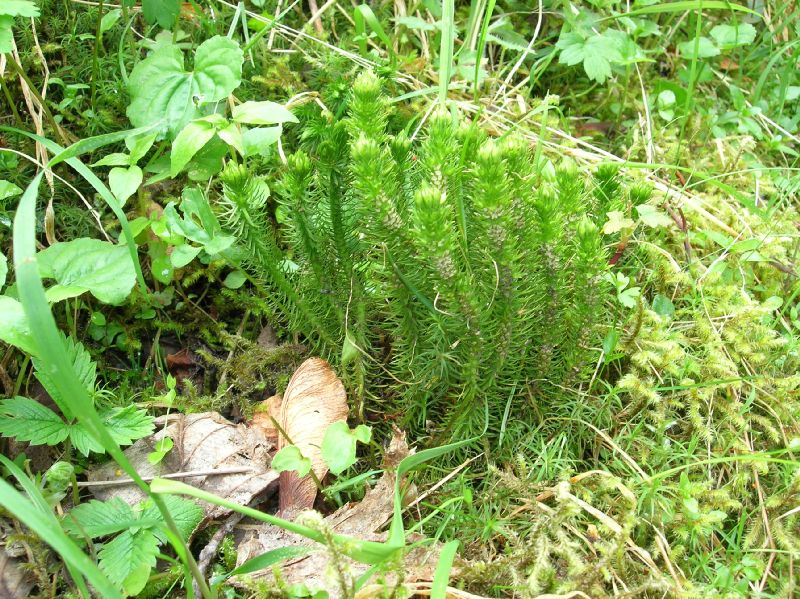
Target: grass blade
pixel 442 575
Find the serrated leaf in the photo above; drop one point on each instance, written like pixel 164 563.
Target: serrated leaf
pixel 189 142
pixel 289 458
pixel 617 221
pixel 6 34
pixel 129 558
pixel 101 268
pixel 185 513
pixel 99 518
pixel 14 328
pixel 162 91
pixel 339 445
pixel 652 216
pixel 19 8
pixel 163 12
pixel 597 53
pixel 82 441
pixel 127 424
pixel 731 36
pixel 27 420
pixel 82 365
pixel 262 113
pixel 124 182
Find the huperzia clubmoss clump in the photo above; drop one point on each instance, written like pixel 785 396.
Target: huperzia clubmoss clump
pixel 450 277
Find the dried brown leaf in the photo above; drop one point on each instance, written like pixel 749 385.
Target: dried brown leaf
pixel 314 398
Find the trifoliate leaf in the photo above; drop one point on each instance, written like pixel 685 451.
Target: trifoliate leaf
pixel 129 558
pixel 262 113
pixel 162 91
pixel 731 36
pixel 99 267
pixel 597 53
pixel 185 513
pixel 27 420
pixel 290 458
pixel 652 216
pixel 617 221
pixel 698 48
pixel 339 445
pixel 99 518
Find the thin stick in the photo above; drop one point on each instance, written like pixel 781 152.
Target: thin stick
pixel 189 474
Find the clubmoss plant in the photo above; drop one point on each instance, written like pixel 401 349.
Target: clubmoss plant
pixel 452 274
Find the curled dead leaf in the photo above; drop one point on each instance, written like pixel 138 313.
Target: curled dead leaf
pixel 314 399
pixel 267 413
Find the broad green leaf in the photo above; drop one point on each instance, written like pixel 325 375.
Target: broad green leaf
pixel 652 216
pixel 290 458
pixel 256 142
pixel 124 182
pixel 114 159
pixel 262 113
pixel 8 189
pixel 232 136
pixel 3 269
pixel 663 306
pixel 139 144
pixel 187 143
pixel 698 48
pixel 109 19
pixel 14 328
pixel 19 8
pixel 339 445
pixel 129 558
pixel 163 92
pixel 163 12
pixel 6 34
pixel 27 420
pixel 235 279
pixel 731 36
pixel 160 450
pixel 183 255
pixel 102 268
pixel 98 518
